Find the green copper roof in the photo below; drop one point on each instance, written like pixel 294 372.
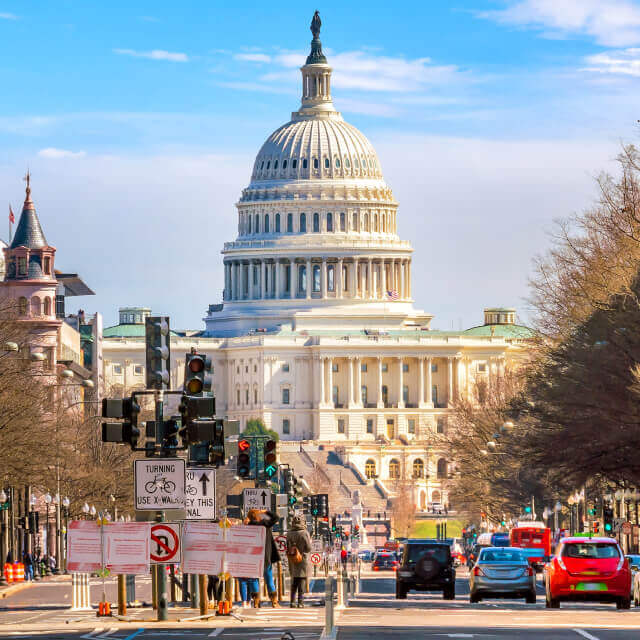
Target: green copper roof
pixel 127 331
pixel 501 331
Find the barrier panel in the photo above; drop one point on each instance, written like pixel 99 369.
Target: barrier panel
pixel 18 572
pixel 8 572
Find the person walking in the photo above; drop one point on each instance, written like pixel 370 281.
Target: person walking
pixel 298 548
pixel 28 566
pixel 264 518
pixel 249 591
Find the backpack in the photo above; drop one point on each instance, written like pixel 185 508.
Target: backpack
pixel 293 554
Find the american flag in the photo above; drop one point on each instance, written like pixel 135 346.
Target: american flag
pixel 392 295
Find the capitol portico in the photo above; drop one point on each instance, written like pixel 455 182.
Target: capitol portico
pixel 316 333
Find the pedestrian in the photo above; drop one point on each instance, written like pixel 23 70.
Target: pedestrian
pixel 52 563
pixel 264 518
pixel 298 548
pixel 9 557
pixel 212 590
pixel 28 566
pixel 249 591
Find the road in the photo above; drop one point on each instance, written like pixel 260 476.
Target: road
pixel 41 612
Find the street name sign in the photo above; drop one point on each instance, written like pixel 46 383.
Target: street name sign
pixel 200 493
pixel 165 543
pixel 256 499
pixel 159 484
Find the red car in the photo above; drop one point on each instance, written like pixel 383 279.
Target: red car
pixel 592 569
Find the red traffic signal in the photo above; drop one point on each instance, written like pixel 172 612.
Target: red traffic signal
pixel 244 445
pixel 196 364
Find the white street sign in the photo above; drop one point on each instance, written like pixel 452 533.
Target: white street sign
pixel 256 499
pixel 200 493
pixel 159 484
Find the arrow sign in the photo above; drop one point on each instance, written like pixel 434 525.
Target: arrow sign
pixel 263 495
pixel 204 480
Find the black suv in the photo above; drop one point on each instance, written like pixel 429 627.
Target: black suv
pixel 426 565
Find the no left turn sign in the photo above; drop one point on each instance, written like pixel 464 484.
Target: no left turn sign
pixel 315 558
pixel 165 543
pixel 281 543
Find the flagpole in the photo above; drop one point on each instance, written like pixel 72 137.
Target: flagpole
pixel 10 213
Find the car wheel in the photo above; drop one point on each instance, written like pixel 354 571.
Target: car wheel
pixel 530 598
pixel 551 603
pixel 401 592
pixel 474 597
pixel 449 593
pixel 623 603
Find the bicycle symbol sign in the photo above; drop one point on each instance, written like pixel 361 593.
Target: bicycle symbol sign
pixel 159 484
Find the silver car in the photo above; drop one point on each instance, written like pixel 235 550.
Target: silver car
pixel 502 572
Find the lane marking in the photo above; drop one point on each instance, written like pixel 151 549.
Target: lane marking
pixel 134 634
pixel 585 634
pixel 216 632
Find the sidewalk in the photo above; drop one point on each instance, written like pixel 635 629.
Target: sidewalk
pixel 8 589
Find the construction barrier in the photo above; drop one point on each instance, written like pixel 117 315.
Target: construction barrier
pixel 18 572
pixel 80 599
pixel 8 572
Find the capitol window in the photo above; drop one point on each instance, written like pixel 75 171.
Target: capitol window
pixel 434 368
pixel 411 425
pixel 394 469
pixel 255 396
pixel 337 163
pixel 287 278
pixel 304 163
pixel 268 165
pixel 138 370
pixel 294 163
pixel 303 223
pixel 334 367
pixel 277 229
pixel 257 229
pixel 284 164
pixel 342 222
pixel 246 396
pixel 316 277
pixel 341 426
pixel 329 222
pixel 316 223
pixel 355 221
pixel 331 284
pixel 345 278
pixel 275 165
pixel 266 223
pixel 315 163
pixel 405 394
pixel 285 396
pixel 370 465
pixel 405 367
pixel 369 425
pixel 385 367
pixel 327 164
pixel 482 367
pixel 249 224
pixel 442 469
pixel 418 468
pixel 286 425
pixel 289 223
pixel 285 367
pixel 363 367
pixel 117 369
pixel 302 278
pixel 22 266
pixel 356 162
pixel 363 392
pixel 262 165
pixel 347 164
pixel 441 425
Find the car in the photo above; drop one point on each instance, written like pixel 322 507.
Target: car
pixel 588 569
pixel 365 555
pixel 502 572
pixel 426 565
pixel 385 560
pixel 472 556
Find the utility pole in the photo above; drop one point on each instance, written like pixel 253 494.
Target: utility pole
pixel 161 576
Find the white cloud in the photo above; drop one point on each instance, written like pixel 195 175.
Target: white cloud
pixel 624 62
pixel 8 16
pixel 156 54
pixel 253 57
pixel 56 154
pixel 614 23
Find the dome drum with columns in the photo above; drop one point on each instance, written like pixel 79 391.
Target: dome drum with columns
pixel 317 240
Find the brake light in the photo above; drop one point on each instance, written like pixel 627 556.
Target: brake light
pixel 376 567
pixel 477 571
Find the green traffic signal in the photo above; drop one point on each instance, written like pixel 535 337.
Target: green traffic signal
pixel 527 509
pixel 607 527
pixel 292 500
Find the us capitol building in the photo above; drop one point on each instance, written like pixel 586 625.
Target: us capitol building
pixel 317 334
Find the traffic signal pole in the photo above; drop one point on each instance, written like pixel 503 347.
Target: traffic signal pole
pixel 162 597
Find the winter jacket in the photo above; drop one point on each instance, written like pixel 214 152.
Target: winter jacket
pixel 298 536
pixel 268 519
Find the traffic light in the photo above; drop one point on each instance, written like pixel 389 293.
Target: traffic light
pixel 196 374
pixel 607 517
pixel 595 526
pixel 123 432
pixel 315 511
pixel 270 464
pixel 306 504
pixel 355 534
pixel 333 523
pixel 290 487
pixel 158 351
pixel 527 509
pixel 244 458
pixel 592 511
pixel 169 437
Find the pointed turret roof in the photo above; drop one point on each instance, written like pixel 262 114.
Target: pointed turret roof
pixel 29 232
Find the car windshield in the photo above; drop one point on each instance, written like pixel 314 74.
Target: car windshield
pixel 591 550
pixel 502 555
pixel 438 552
pixel 385 556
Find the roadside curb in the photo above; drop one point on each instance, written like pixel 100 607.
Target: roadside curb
pixel 14 588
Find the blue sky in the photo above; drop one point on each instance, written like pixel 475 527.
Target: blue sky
pixel 140 121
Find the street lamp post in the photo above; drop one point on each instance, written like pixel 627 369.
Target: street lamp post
pixel 571 500
pixel 47 500
pixel 557 508
pixel 5 534
pixel 33 534
pixel 65 505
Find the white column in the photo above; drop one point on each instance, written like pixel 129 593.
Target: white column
pixel 294 278
pixel 380 404
pixel 421 390
pixel 400 383
pixel 409 279
pixel 354 278
pixel 263 279
pixel 429 383
pixel 250 276
pixel 309 278
pixel 278 285
pixel 370 289
pixel 338 279
pixel 358 365
pixel 322 387
pixel 449 380
pixel 383 278
pixel 363 280
pixel 330 381
pixel 323 278
pixel 401 287
pixel 350 387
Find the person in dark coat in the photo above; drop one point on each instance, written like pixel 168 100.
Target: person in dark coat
pixel 298 538
pixel 259 517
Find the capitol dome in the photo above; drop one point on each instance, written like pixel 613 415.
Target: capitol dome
pixel 317 241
